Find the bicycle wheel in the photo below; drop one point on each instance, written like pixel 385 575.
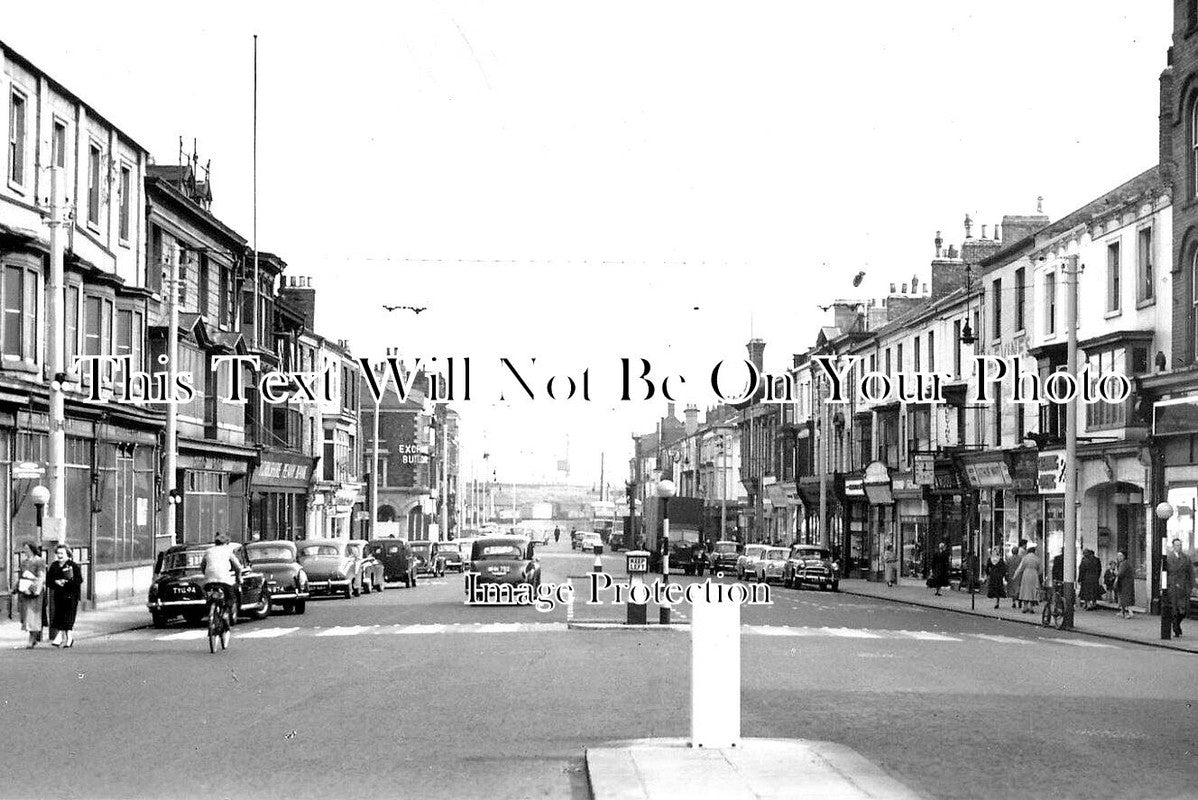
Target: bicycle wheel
pixel 213 626
pixel 1046 614
pixel 1058 612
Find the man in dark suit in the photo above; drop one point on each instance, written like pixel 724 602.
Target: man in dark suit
pixel 1180 581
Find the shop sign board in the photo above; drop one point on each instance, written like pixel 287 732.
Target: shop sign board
pixel 1050 472
pixel 924 469
pixel 988 475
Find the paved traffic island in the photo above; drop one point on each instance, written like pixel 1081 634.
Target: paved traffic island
pixel 758 769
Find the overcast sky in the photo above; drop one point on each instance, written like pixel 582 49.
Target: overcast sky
pixel 569 181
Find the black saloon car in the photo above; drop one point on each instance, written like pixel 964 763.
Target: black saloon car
pixel 285 578
pixel 502 560
pixel 723 557
pixel 396 558
pixel 178 587
pixel 811 564
pixel 449 554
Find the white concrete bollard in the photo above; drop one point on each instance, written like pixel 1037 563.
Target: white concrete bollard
pixel 715 669
pixel 598 565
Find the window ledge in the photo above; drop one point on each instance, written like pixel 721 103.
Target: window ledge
pixel 1112 314
pixel 19 188
pixel 1145 303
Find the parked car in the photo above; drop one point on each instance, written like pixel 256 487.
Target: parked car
pixel 504 559
pixel 331 567
pixel 590 541
pixel 177 588
pixel 811 564
pixel 723 557
pixel 770 565
pixel 399 566
pixel 285 578
pixel 426 564
pixel 746 562
pixel 450 554
pixel 370 570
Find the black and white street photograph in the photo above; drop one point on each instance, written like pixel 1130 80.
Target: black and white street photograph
pixel 599 401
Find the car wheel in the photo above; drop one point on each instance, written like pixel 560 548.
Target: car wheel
pixel 835 587
pixel 299 606
pixel 158 620
pixel 263 609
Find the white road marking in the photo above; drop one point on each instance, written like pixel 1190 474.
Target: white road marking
pixel 993 637
pixel 413 629
pixel 928 636
pixel 347 630
pixel 850 633
pixel 266 633
pixel 1076 642
pixel 184 636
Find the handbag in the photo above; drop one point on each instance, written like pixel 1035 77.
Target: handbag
pixel 26 584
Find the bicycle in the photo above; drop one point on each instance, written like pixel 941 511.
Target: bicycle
pixel 1053 615
pixel 219 622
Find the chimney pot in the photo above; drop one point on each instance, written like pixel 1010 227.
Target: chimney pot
pixel 983 230
pixel 904 288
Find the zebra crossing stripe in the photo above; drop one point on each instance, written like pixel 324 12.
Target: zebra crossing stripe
pixel 346 630
pixel 266 633
pixel 994 637
pixel 928 636
pixel 184 636
pixel 1075 642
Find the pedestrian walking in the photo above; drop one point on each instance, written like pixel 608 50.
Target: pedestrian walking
pixel 1012 565
pixel 63 582
pixel 1089 579
pixel 557 534
pixel 1028 577
pixel 1125 585
pixel 996 576
pixel 30 592
pixel 1179 571
pixel 890 564
pixel 939 577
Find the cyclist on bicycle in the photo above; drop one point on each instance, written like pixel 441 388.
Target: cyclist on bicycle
pixel 222 569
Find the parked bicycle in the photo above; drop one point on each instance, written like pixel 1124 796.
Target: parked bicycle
pixel 1053 595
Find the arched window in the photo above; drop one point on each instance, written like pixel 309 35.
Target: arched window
pixel 1191 307
pixel 1194 146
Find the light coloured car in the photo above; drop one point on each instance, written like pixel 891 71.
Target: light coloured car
pixel 746 562
pixel 771 565
pixel 590 541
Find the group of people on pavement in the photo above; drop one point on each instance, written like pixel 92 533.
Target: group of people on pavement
pixel 47 595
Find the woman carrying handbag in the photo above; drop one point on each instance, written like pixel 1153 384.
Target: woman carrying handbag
pixel 63 579
pixel 29 591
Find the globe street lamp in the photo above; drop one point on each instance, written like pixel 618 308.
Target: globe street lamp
pixel 40 495
pixel 1163 512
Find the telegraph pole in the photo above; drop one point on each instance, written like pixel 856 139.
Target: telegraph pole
pixel 822 454
pixel 1070 555
pixel 723 487
pixel 55 339
pixel 172 408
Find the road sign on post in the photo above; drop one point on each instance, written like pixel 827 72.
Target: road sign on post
pixel 27 470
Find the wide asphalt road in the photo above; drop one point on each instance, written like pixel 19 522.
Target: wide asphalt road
pixel 411 694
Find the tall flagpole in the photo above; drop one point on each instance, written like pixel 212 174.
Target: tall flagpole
pixel 257 341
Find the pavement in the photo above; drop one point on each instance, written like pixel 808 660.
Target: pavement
pixel 89 624
pixel 412 693
pixel 1103 622
pixel 759 769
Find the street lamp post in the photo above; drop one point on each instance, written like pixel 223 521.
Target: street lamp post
pixel 1163 512
pixel 40 495
pixel 665 490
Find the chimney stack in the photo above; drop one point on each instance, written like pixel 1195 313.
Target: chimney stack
pixel 298 291
pixel 757 353
pixel 691 413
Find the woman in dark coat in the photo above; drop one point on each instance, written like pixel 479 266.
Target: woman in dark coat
pixel 1125 586
pixel 1089 578
pixel 996 576
pixel 63 580
pixel 939 577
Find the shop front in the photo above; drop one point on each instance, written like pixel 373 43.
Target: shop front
pixel 950 509
pixel 858 551
pixel 213 480
pixel 1115 513
pixel 988 476
pixel 279 491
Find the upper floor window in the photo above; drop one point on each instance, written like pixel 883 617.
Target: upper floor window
pixel 1020 298
pixel 1194 147
pixel 898 359
pixel 17 108
pixel 126 191
pixel 931 351
pixel 94 159
pixel 1050 302
pixel 917 355
pixel 956 348
pixel 58 144
pixel 1144 278
pixel 226 295
pixel 997 308
pixel 71 323
pixel 1114 277
pixel 129 338
pixel 20 289
pixel 203 276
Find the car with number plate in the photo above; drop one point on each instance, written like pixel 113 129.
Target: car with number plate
pixel 370 570
pixel 399 565
pixel 331 567
pixel 450 554
pixel 503 559
pixel 177 589
pixel 812 565
pixel 590 540
pixel 285 578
